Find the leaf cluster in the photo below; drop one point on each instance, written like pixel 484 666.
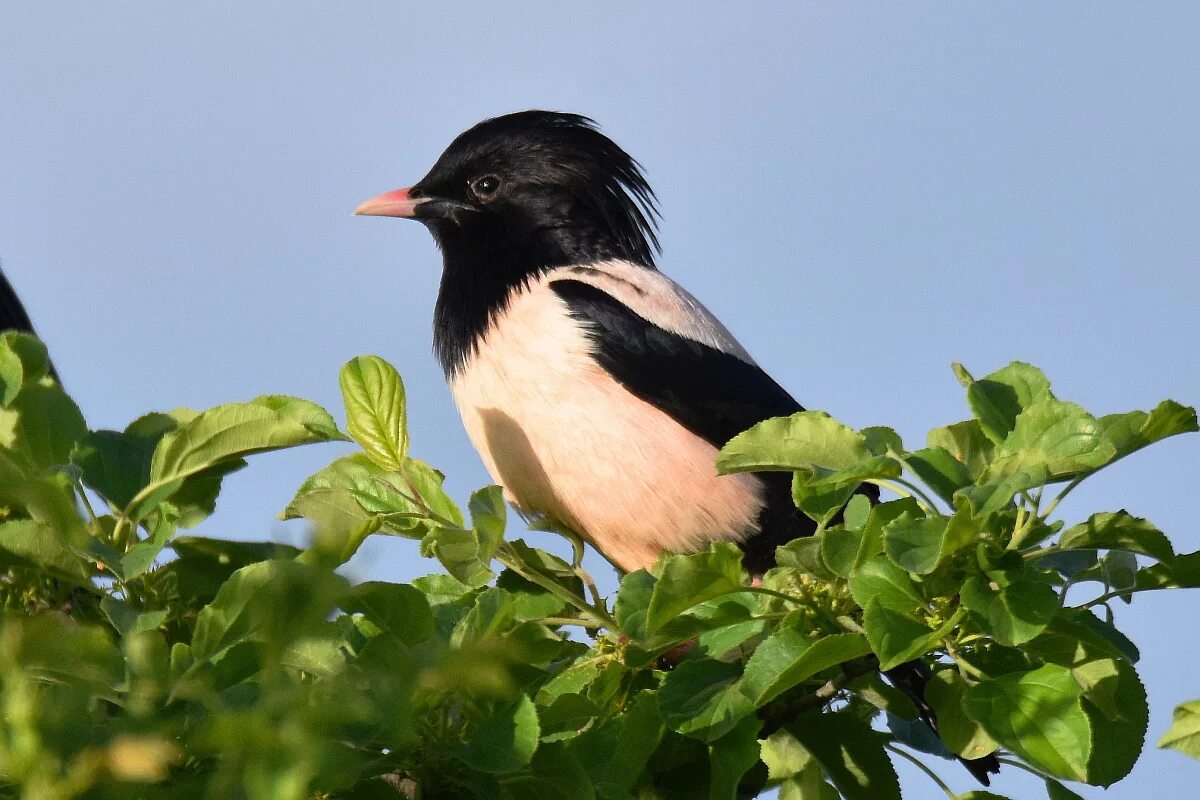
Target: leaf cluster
pixel 140 661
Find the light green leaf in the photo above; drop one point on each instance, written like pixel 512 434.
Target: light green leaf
pixel 686 581
pixel 128 621
pixel 506 740
pixel 375 413
pixel 23 360
pixel 788 657
pixel 1134 430
pixel 27 542
pixel 1184 733
pixel 803 441
pixel 232 431
pixel 967 442
pixel 48 424
pixel 1037 715
pixel 1061 438
pixel 1118 531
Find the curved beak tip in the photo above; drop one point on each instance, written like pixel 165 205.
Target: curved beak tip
pixel 390 204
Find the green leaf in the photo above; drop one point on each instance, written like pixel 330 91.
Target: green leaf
pixel 1182 572
pixel 788 657
pixel 47 425
pixel 1184 733
pixel 897 637
pixel 633 598
pixel 803 441
pixel 881 580
pixel 980 794
pixel 354 490
pixel 804 555
pixel 960 733
pixel 232 431
pixel 27 542
pixel 464 554
pixel 1015 613
pixel 1116 708
pixel 397 608
pixel 919 545
pixel 1134 430
pixel 686 581
pixel 615 753
pixel 731 756
pixel 1037 715
pixel 940 471
pixel 375 413
pixel 821 502
pixel 997 493
pixel 506 740
pixel 1056 791
pixel 23 360
pixel 850 753
pixel 1059 437
pixel 998 399
pixel 272 602
pixel 967 442
pixel 701 698
pixel 128 621
pixel 1118 531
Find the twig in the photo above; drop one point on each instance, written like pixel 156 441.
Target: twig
pixel 776 715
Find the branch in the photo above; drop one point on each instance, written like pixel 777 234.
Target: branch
pixel 776 715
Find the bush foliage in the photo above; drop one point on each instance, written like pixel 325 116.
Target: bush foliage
pixel 235 669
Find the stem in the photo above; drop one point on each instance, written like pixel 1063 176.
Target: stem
pixel 1066 491
pixel 921 766
pixel 582 623
pixel 771 593
pixel 1104 598
pixel 601 615
pixel 913 491
pixel 1012 762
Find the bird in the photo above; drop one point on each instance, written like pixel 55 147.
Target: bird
pixel 597 390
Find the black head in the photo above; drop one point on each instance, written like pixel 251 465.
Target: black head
pixel 515 196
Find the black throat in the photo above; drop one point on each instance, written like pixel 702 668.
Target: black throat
pixel 485 265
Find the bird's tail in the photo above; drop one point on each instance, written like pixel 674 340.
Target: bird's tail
pixel 911 679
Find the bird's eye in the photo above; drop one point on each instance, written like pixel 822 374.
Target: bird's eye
pixel 486 187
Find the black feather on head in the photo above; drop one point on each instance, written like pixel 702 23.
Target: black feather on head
pixel 521 194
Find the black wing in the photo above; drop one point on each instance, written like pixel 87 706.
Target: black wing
pixel 12 313
pixel 713 394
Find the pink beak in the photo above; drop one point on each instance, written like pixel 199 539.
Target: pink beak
pixel 391 204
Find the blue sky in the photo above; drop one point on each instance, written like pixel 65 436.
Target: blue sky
pixel 862 194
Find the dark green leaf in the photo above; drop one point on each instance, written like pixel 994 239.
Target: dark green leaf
pixel 1118 531
pixel 1116 708
pixel 1183 572
pixel 633 598
pixel 1056 791
pixel 506 739
pixel 851 754
pixel 940 471
pixel 128 621
pixel 375 413
pixel 731 756
pixel 615 753
pixel 999 398
pixel 804 554
pixel 396 608
pixel 1015 613
pixel 700 698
